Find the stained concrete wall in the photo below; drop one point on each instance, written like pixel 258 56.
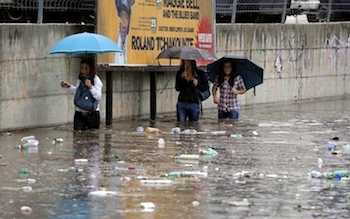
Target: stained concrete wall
pixel 300 61
pixel 29 92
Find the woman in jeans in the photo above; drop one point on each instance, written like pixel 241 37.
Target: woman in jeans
pixel 189 82
pixel 88 93
pixel 225 91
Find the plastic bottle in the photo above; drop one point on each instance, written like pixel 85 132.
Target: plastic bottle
pixel 81 161
pixel 26 210
pixel 156 182
pixel 188 174
pixel 27 189
pixel 27 138
pixel 175 130
pixel 188 157
pixel 189 132
pixel 208 152
pixel 331 146
pixel 237 136
pixel 338 174
pixel 24 172
pixel 58 141
pixel 140 129
pixel 161 143
pixel 148 206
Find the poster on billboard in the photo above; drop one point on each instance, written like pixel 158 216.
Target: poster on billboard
pixel 143 28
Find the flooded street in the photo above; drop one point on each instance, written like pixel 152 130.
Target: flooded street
pixel 261 169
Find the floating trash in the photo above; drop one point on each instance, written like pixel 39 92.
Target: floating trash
pixel 152 130
pixel 218 133
pixel 175 130
pixel 156 182
pixel 27 189
pixel 320 163
pixel 81 161
pixel 29 181
pixel 237 136
pixel 23 172
pixel 195 203
pixel 279 132
pixel 148 206
pixel 188 174
pixel 255 133
pixel 331 146
pixel 338 174
pixel 25 210
pixel 28 138
pixel 189 132
pixel 243 203
pixel 102 193
pixel 209 152
pixel 188 157
pixel 140 129
pixel 58 141
pixel 161 143
pixel 335 138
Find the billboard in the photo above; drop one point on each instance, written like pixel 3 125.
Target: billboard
pixel 143 28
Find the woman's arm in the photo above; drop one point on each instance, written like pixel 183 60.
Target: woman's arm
pixel 180 81
pixel 96 89
pixel 70 87
pixel 239 87
pixel 203 84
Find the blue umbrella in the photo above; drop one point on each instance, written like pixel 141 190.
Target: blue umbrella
pixel 85 43
pixel 252 74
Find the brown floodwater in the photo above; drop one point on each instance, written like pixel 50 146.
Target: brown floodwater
pixel 260 171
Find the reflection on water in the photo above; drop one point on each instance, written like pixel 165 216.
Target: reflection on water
pixel 261 170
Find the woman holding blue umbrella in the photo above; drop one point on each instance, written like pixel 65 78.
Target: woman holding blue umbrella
pixel 87 96
pixel 88 90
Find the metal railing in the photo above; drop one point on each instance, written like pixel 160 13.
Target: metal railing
pixel 58 5
pixel 322 11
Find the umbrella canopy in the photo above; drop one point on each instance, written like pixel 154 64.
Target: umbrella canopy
pixel 85 43
pixel 252 74
pixel 188 53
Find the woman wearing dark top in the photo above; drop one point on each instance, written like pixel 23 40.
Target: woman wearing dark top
pixel 189 82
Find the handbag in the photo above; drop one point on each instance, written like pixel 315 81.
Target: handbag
pixel 204 95
pixel 84 100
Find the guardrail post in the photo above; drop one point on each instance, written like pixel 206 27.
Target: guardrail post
pixel 40 11
pixel 284 13
pixel 329 14
pixel 234 11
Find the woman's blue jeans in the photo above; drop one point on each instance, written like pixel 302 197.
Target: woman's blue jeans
pixel 187 111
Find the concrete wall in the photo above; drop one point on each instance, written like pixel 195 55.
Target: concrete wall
pixel 300 61
pixel 29 91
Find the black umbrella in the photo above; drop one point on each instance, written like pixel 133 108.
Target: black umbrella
pixel 188 53
pixel 252 74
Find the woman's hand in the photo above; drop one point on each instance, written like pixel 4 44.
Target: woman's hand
pixel 65 84
pixel 88 83
pixel 195 82
pixel 238 92
pixel 216 97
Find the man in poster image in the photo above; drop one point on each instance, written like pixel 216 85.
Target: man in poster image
pixel 124 13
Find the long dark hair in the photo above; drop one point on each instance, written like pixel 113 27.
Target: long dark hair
pixel 193 66
pixel 221 77
pixel 90 61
